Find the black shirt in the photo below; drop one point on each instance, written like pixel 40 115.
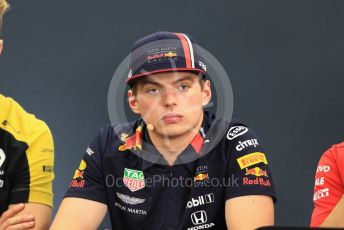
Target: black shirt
pixel 122 169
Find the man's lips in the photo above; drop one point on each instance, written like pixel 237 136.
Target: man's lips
pixel 172 118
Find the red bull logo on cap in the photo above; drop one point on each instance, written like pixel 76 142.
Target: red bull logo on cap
pixel 162 55
pixel 256 171
pixel 132 142
pixel 170 54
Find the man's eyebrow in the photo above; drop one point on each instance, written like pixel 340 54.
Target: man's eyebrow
pixel 152 82
pixel 186 78
pixel 148 81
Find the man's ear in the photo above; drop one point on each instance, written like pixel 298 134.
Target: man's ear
pixel 133 102
pixel 206 93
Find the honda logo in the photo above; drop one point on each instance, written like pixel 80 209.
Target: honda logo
pixel 199 217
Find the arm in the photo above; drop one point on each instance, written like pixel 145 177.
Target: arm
pixel 249 204
pixel 78 213
pixel 85 203
pixel 39 203
pixel 34 173
pixel 249 212
pixel 26 216
pixel 9 219
pixel 335 219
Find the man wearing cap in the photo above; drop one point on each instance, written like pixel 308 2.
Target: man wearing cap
pixel 177 166
pixel 26 165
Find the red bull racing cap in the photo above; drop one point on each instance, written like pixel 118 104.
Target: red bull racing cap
pixel 165 52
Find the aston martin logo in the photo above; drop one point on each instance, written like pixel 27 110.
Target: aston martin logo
pixel 130 200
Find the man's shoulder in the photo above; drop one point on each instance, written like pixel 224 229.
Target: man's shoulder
pixel 335 152
pixel 23 125
pixel 229 130
pixel 332 158
pixel 115 132
pixel 236 138
pixel 119 128
pixel 339 146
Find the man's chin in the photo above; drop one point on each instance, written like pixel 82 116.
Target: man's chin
pixel 173 131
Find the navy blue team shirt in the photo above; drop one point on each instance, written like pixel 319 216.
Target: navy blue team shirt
pixel 122 169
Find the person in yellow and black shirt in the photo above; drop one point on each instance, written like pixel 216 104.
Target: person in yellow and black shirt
pixel 26 165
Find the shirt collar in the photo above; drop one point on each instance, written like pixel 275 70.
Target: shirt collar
pixel 152 156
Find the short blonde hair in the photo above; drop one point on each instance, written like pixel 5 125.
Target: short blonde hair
pixel 3 8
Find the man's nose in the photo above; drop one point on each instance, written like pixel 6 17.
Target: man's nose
pixel 170 97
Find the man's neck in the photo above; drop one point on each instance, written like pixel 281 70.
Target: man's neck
pixel 172 147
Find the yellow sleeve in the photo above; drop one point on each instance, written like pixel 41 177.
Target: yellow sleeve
pixel 40 156
pixel 33 145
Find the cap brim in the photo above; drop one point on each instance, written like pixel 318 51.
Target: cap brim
pixel 134 77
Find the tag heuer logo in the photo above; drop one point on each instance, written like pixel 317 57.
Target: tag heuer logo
pixel 133 179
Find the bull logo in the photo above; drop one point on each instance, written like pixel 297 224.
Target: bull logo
pixel 132 142
pixel 256 171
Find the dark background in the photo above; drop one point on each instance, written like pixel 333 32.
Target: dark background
pixel 284 58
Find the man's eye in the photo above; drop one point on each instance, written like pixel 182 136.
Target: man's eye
pixel 184 87
pixel 153 91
